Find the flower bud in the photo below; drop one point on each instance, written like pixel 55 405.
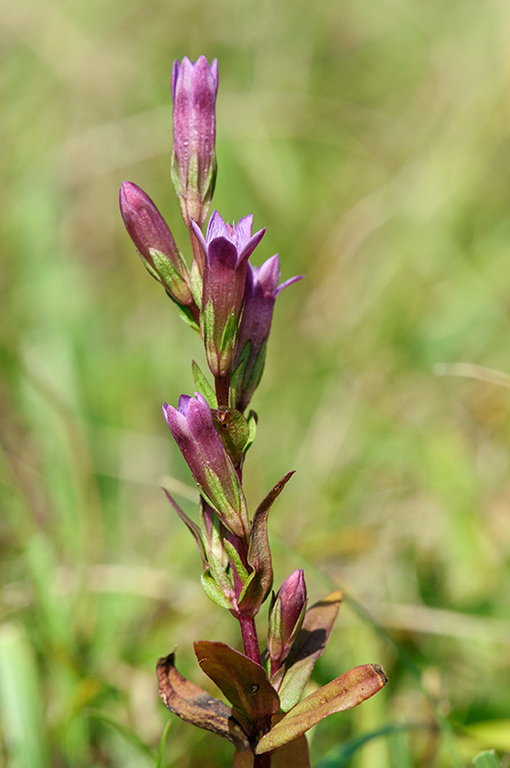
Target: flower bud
pixel 193 429
pixel 156 246
pixel 194 89
pixel 261 290
pixel 286 617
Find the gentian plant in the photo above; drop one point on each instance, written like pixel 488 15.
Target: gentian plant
pixel 230 303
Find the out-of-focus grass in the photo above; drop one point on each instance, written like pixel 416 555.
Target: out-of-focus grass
pixel 372 139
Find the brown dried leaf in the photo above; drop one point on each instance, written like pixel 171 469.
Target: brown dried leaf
pixel 196 706
pixel 244 683
pixel 307 648
pixel 345 692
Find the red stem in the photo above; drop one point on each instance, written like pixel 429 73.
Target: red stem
pixel 250 639
pixel 222 385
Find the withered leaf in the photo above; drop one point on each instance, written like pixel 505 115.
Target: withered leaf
pixel 307 648
pixel 196 706
pixel 345 692
pixel 244 683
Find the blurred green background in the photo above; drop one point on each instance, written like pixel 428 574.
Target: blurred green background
pixel 371 137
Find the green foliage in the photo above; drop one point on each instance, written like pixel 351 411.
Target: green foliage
pixel 372 141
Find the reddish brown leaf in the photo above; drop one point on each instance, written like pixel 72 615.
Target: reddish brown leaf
pixel 244 683
pixel 196 706
pixel 346 692
pixel 259 554
pixel 307 648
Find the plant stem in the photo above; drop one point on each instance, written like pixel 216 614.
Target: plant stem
pixel 250 639
pixel 222 385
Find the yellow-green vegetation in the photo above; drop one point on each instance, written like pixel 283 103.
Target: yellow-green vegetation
pixel 372 139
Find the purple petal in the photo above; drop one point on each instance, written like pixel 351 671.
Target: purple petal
pixel 288 282
pixel 251 245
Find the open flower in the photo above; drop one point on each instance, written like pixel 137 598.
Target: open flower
pixel 193 428
pixel 194 89
pixel 226 250
pixel 261 290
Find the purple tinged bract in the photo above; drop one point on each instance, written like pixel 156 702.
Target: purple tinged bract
pixel 194 89
pixel 154 241
pixel 192 427
pixel 226 249
pixel 261 291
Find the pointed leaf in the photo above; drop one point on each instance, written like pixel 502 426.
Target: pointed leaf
pixel 203 386
pixel 345 692
pixel 308 647
pixel 192 526
pixel 196 706
pixel 244 683
pixel 259 554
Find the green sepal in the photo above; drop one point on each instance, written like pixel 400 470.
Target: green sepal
pixel 192 180
pixel 196 283
pixel 150 269
pixel 257 369
pixel 234 516
pixel 175 175
pixel 203 386
pixel 236 560
pixel 237 375
pixel 252 425
pixel 209 181
pixel 213 591
pixel 274 631
pixel 207 323
pixel 171 276
pixel 186 315
pixel 229 335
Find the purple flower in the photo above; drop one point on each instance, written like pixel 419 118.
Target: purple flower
pixel 194 89
pixel 286 617
pixel 261 290
pixel 193 428
pixel 150 234
pixel 226 250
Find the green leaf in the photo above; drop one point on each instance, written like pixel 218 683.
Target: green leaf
pixel 213 591
pixel 307 648
pixel 20 699
pixel 203 386
pixel 130 736
pixel 244 683
pixel 345 692
pixel 487 759
pixel 196 706
pixel 162 744
pixel 341 756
